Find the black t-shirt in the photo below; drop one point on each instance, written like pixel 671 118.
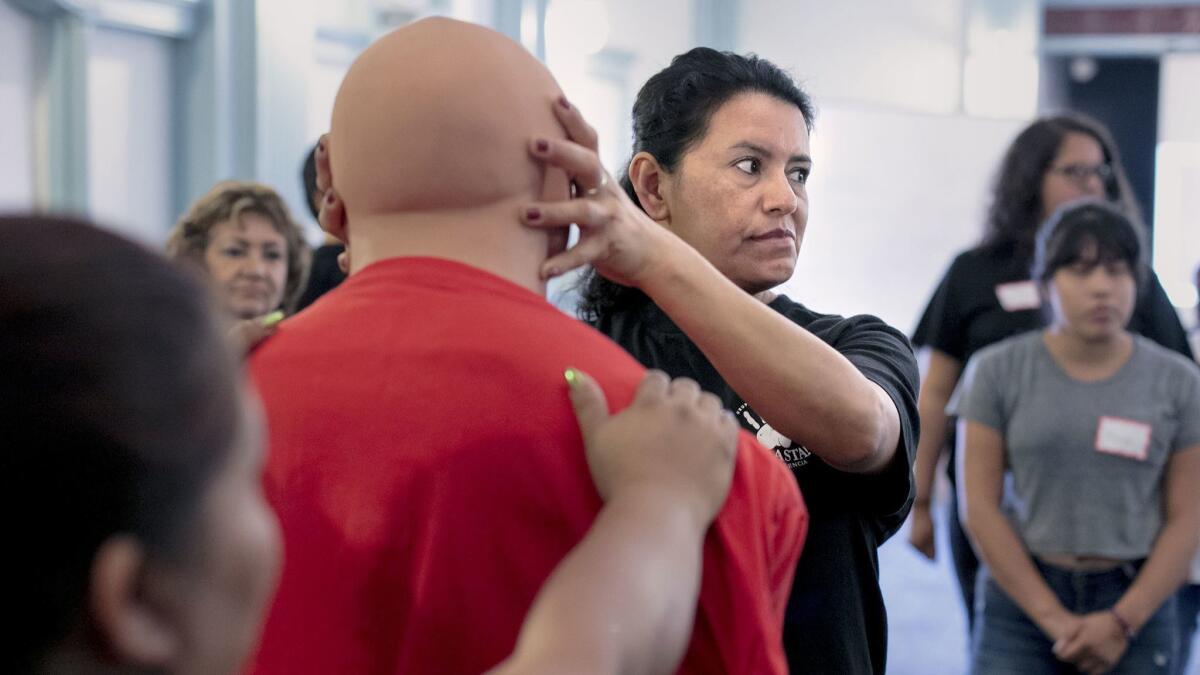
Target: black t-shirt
pixel 324 275
pixel 968 309
pixel 836 621
pixel 965 313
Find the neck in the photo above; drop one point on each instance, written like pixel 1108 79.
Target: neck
pixel 488 237
pixel 766 297
pixel 1075 350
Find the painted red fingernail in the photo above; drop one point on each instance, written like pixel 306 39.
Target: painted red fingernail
pixel 562 100
pixel 551 272
pixel 533 214
pixel 542 145
pixel 329 198
pixel 321 146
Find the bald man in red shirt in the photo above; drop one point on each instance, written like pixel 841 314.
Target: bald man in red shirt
pixel 425 464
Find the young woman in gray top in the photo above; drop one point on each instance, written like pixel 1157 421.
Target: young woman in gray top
pixel 1081 471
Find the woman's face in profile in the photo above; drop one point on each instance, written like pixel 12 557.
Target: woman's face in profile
pixel 247 258
pixel 738 195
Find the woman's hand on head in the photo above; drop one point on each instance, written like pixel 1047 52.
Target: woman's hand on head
pixel 615 236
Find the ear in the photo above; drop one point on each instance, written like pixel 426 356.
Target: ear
pixel 131 628
pixel 647 177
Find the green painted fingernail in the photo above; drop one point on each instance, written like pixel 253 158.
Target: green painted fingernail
pixel 272 318
pixel 572 377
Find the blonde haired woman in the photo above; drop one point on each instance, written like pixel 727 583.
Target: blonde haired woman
pixel 243 236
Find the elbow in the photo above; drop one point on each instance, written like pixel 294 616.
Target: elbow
pixel 867 447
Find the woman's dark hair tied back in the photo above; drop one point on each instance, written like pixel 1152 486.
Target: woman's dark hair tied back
pixel 672 112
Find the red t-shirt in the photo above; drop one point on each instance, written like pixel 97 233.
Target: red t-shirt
pixel 429 474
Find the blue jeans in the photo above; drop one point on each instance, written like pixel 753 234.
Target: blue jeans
pixel 1187 605
pixel 1006 642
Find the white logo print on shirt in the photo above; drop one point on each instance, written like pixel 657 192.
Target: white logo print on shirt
pixel 791 453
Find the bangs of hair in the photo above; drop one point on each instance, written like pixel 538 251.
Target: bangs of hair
pixel 1090 232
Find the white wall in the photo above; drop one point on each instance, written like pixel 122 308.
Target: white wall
pixel 905 54
pixel 1177 177
pixel 129 137
pixel 16 109
pixel 285 49
pixel 642 38
pixel 900 174
pixel 892 198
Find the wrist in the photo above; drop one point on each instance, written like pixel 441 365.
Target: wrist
pixel 669 258
pixel 662 503
pixel 1124 627
pixel 1052 620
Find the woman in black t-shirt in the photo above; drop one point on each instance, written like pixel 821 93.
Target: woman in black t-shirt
pixel 988 295
pixel 711 217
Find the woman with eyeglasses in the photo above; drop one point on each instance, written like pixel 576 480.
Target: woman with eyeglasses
pixel 987 295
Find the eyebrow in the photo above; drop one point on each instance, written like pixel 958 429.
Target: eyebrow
pixel 754 147
pixel 241 238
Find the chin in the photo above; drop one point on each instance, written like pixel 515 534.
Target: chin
pixel 760 284
pixel 248 312
pixel 756 276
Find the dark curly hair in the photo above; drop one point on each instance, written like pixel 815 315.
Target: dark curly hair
pixel 1016 206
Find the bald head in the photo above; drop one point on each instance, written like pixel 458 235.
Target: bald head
pixel 437 116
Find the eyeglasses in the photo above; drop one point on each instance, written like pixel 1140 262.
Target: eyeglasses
pixel 1080 173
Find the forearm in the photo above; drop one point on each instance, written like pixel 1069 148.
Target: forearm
pixel 623 600
pixel 1164 572
pixel 1011 566
pixel 930 445
pixel 819 399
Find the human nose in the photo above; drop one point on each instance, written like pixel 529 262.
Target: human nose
pixel 1100 281
pixel 1093 185
pixel 780 197
pixel 254 264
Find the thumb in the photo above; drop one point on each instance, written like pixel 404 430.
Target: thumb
pixel 591 408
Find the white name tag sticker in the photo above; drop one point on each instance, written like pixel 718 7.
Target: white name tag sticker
pixel 1018 295
pixel 1124 438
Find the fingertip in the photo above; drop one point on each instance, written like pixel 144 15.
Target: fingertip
pixel 572 377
